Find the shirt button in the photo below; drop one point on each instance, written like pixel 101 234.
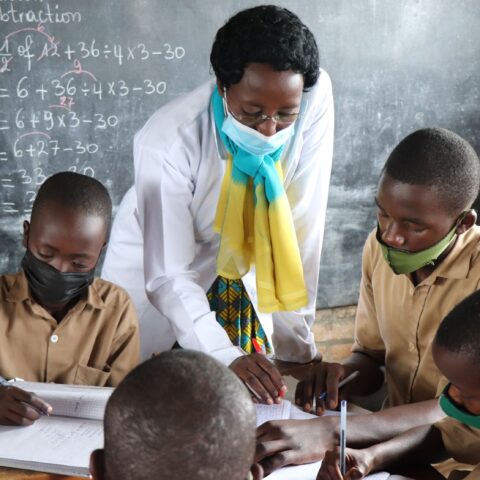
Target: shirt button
pixel 54 338
pixel 411 347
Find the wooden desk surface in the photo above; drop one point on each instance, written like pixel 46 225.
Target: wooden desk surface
pixel 14 474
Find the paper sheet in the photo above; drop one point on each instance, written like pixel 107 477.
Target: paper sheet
pixel 51 441
pixel 284 411
pixel 280 411
pixel 310 471
pixel 71 400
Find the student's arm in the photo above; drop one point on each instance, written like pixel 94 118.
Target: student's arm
pixel 281 443
pixel 125 349
pixel 368 351
pixel 18 407
pixel 421 445
pixel 307 192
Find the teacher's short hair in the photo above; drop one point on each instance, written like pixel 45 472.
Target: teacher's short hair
pixel 265 34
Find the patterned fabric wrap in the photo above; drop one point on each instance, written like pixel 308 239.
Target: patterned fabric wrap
pixel 255 223
pixel 235 313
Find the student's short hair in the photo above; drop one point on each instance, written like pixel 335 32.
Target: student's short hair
pixel 265 34
pixel 441 159
pixel 180 415
pixel 76 192
pixel 459 331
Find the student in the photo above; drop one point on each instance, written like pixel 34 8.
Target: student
pixel 456 351
pixel 179 415
pixel 421 260
pixel 57 322
pixel 267 119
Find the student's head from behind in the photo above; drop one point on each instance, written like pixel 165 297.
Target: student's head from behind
pixel 456 351
pixel 178 415
pixel 263 58
pixel 426 189
pixel 67 231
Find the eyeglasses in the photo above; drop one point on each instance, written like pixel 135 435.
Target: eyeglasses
pixel 256 118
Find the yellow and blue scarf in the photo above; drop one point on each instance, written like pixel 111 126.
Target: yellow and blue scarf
pixel 255 223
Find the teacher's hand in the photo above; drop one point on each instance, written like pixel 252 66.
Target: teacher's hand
pixel 261 377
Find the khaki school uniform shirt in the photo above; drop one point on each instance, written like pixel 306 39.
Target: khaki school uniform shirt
pixel 96 343
pixel 397 321
pixel 475 475
pixel 461 442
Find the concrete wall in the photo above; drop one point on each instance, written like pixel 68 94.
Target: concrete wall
pixel 333 330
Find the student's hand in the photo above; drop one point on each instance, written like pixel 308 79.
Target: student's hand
pixel 294 442
pixel 18 407
pixel 358 464
pixel 261 376
pixel 323 377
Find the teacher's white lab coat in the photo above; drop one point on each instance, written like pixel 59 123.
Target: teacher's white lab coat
pixel 163 248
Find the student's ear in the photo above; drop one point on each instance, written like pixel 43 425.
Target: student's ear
pixel 26 230
pixel 256 471
pixel 97 464
pixel 467 222
pixel 221 88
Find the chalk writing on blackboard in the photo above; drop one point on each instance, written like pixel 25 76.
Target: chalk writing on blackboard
pixel 63 92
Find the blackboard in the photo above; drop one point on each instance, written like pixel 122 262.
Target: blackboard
pixel 79 77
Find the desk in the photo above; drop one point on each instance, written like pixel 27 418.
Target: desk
pixel 289 369
pixel 426 473
pixel 14 474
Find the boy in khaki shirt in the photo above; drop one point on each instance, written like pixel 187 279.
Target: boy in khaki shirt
pixel 57 322
pixel 456 351
pixel 423 259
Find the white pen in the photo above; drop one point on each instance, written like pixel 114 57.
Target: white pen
pixel 347 379
pixel 253 392
pixel 343 436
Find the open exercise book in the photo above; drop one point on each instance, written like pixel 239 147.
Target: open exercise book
pixel 62 442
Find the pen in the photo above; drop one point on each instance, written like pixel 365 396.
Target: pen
pixel 281 394
pixel 343 436
pixel 347 379
pixel 253 392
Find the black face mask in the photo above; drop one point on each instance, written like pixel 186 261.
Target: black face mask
pixel 51 287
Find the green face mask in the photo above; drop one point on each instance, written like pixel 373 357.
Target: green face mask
pixel 454 411
pixel 402 261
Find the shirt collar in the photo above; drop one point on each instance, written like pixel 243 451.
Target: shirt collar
pixel 457 263
pixel 19 292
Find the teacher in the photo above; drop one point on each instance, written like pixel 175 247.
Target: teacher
pixel 224 226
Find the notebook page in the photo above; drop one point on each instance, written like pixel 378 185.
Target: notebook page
pixel 277 411
pixel 71 400
pixel 310 471
pixel 54 441
pixel 298 414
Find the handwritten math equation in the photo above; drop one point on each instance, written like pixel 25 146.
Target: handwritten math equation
pixel 64 103
pixel 33 51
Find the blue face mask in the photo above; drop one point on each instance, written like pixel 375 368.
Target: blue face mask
pixel 252 141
